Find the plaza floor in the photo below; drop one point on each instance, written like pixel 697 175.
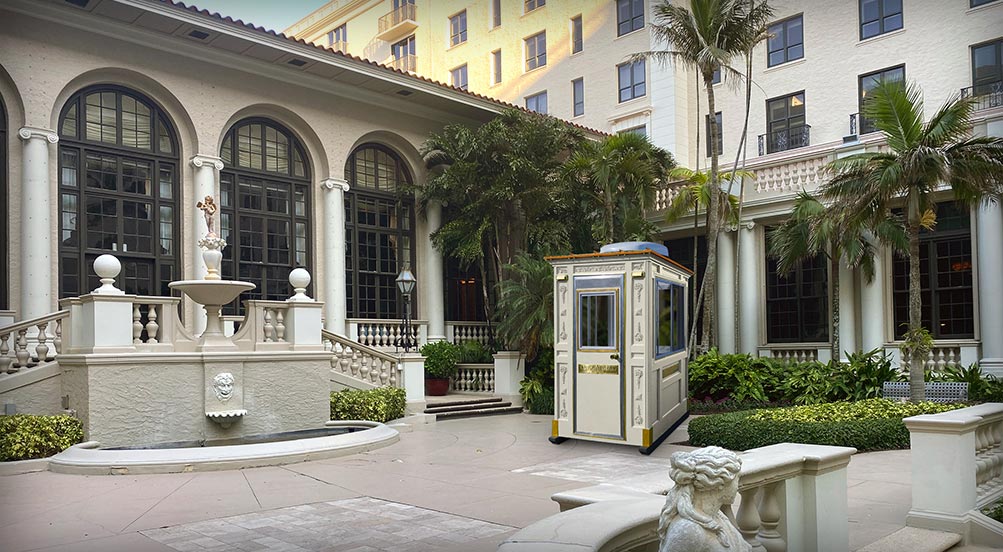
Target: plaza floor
pixel 458 485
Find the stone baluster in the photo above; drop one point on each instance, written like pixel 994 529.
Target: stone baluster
pixel 5 359
pixel 982 458
pixel 996 450
pixel 57 341
pixel 137 325
pixel 392 366
pixel 749 522
pixel 42 348
pixel 280 326
pixel 269 327
pixel 364 369
pixel 152 328
pixel 770 514
pixel 355 363
pixel 346 360
pixel 21 350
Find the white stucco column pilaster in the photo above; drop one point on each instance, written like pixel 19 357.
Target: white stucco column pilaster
pixel 335 306
pixel 36 219
pixel 726 290
pixel 989 225
pixel 847 312
pixel 872 305
pixel 750 289
pixel 206 183
pixel 434 277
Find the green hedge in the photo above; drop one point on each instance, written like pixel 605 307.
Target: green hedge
pixel 874 424
pixel 377 405
pixel 24 436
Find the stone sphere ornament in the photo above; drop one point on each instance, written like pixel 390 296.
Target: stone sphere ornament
pixel 107 267
pixel 705 480
pixel 299 278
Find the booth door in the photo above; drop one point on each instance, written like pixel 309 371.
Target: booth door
pixel 599 378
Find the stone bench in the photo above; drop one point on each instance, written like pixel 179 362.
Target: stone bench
pixel 936 391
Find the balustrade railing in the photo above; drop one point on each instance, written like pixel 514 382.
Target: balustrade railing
pixel 785 139
pixel 264 323
pixel 363 363
pixel 469 331
pixel 665 193
pixel 406 12
pixel 385 334
pixel 407 63
pixel 474 378
pixel 987 95
pixel 791 354
pixel 29 343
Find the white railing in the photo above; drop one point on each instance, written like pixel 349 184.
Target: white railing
pixel 156 323
pixel 384 334
pixel 943 356
pixel 362 362
pixel 468 331
pixel 791 175
pixel 792 497
pixel 793 353
pixel 474 378
pixel 16 340
pixel 665 193
pixel 264 324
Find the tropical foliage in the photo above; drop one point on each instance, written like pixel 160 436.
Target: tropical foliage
pixel 526 305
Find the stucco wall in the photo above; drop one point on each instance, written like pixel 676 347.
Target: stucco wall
pixel 40 396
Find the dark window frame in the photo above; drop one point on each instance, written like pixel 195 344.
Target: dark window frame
pixel 496 19
pixel 719 141
pixel 578 97
pixel 787 46
pixel 536 99
pixel 164 267
pixel 788 127
pixel 864 126
pixel 532 5
pixel 458 28
pixel 534 57
pixel 881 20
pixel 459 71
pixel 634 88
pixel 496 69
pixel 977 84
pixel 631 21
pixel 801 277
pixel 577 34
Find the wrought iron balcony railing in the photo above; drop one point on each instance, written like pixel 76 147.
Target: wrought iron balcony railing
pixel 407 12
pixel 860 124
pixel 986 95
pixel 408 63
pixel 786 139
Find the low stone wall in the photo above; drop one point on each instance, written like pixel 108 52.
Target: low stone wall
pixel 34 391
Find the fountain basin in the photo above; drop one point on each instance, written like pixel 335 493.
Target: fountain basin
pixel 90 459
pixel 212 292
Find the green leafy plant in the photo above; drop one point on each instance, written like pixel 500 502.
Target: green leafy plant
pixel 537 388
pixel 814 382
pixel 441 358
pixel 733 376
pixel 868 373
pixel 377 405
pixel 24 436
pixel 475 352
pixel 525 311
pixel 994 511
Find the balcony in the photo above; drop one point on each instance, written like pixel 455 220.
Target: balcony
pixel 786 139
pixel 860 125
pixel 398 23
pixel 408 63
pixel 340 46
pixel 986 96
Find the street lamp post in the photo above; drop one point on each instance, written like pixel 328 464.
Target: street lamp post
pixel 405 283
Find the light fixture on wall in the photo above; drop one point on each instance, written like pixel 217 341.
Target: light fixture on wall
pixel 405 284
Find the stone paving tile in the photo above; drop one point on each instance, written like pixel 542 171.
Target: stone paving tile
pixel 600 468
pixel 354 524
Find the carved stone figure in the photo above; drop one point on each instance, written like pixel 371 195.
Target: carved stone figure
pixel 706 479
pixel 208 208
pixel 222 386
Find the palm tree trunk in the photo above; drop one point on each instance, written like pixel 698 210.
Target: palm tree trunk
pixel 917 385
pixel 695 307
pixel 834 268
pixel 741 200
pixel 713 227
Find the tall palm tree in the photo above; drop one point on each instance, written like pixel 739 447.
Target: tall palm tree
pixel 921 158
pixel 707 37
pixel 616 173
pixel 814 229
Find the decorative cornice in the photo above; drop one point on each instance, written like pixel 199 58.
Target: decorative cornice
pixel 332 183
pixel 748 224
pixel 199 161
pixel 27 133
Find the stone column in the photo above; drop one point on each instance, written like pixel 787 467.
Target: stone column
pixel 872 305
pixel 750 289
pixel 989 225
pixel 206 183
pixel 726 290
pixel 334 255
pixel 434 277
pixel 847 312
pixel 36 220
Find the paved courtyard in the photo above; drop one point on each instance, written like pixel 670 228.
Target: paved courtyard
pixel 459 485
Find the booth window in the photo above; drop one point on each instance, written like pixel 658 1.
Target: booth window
pixel 596 321
pixel 671 304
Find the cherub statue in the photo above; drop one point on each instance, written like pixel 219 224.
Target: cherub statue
pixel 208 207
pixel 706 479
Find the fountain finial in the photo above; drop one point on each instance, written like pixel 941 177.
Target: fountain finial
pixel 208 208
pixel 212 245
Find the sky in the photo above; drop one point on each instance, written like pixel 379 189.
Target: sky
pixel 271 14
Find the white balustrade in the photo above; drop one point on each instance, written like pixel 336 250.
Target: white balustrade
pixel 16 340
pixel 474 378
pixel 385 334
pixel 791 175
pixel 362 362
pixel 469 331
pixel 791 354
pixel 943 356
pixel 263 326
pixel 665 194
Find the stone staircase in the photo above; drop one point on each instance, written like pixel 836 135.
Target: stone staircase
pixel 452 407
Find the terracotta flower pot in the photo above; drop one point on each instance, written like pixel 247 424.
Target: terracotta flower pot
pixel 436 387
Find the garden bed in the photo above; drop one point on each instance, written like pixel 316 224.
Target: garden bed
pixel 375 405
pixel 24 436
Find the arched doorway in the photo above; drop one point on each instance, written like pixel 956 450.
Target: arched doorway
pixel 265 207
pixel 118 190
pixel 379 230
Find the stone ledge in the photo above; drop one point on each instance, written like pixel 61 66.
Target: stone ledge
pixel 911 539
pixel 23 466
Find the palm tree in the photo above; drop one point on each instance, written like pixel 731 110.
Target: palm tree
pixel 814 229
pixel 526 305
pixel 708 37
pixel 617 176
pixel 921 158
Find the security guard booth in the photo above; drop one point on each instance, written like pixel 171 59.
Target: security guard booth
pixel 619 345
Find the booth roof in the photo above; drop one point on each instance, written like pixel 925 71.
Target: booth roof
pixel 597 254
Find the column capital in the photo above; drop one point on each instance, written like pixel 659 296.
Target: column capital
pixel 27 133
pixel 747 224
pixel 199 161
pixel 331 183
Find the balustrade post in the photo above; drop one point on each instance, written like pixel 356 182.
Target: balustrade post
pixel 151 325
pixel 770 516
pixel 748 519
pixel 5 360
pixel 42 349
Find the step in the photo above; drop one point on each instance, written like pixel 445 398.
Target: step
pixel 464 402
pixel 474 413
pixel 911 539
pixel 460 408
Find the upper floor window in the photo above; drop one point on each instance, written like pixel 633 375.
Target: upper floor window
pixel 458 77
pixel 631 80
pixel 576 34
pixel 262 146
pixel 536 51
pixel 338 38
pixel 717 142
pixel 403 54
pixel 716 79
pixel 987 68
pixel 786 128
pixel 641 130
pixel 786 41
pixel 629 16
pixel 578 97
pixel 458 28
pixel 869 82
pixel 495 13
pixel 496 62
pixel 110 117
pixel 537 102
pixel 530 5
pixel 879 17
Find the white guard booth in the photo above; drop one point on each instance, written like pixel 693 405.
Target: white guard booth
pixel 619 345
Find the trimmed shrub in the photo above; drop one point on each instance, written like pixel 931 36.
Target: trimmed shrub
pixel 377 405
pixel 441 358
pixel 874 424
pixel 24 436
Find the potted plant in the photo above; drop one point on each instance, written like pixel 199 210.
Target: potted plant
pixel 441 358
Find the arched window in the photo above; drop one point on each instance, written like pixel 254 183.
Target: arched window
pixel 118 191
pixel 379 232
pixel 264 207
pixel 4 241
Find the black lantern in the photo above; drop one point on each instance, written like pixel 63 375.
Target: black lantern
pixel 405 283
